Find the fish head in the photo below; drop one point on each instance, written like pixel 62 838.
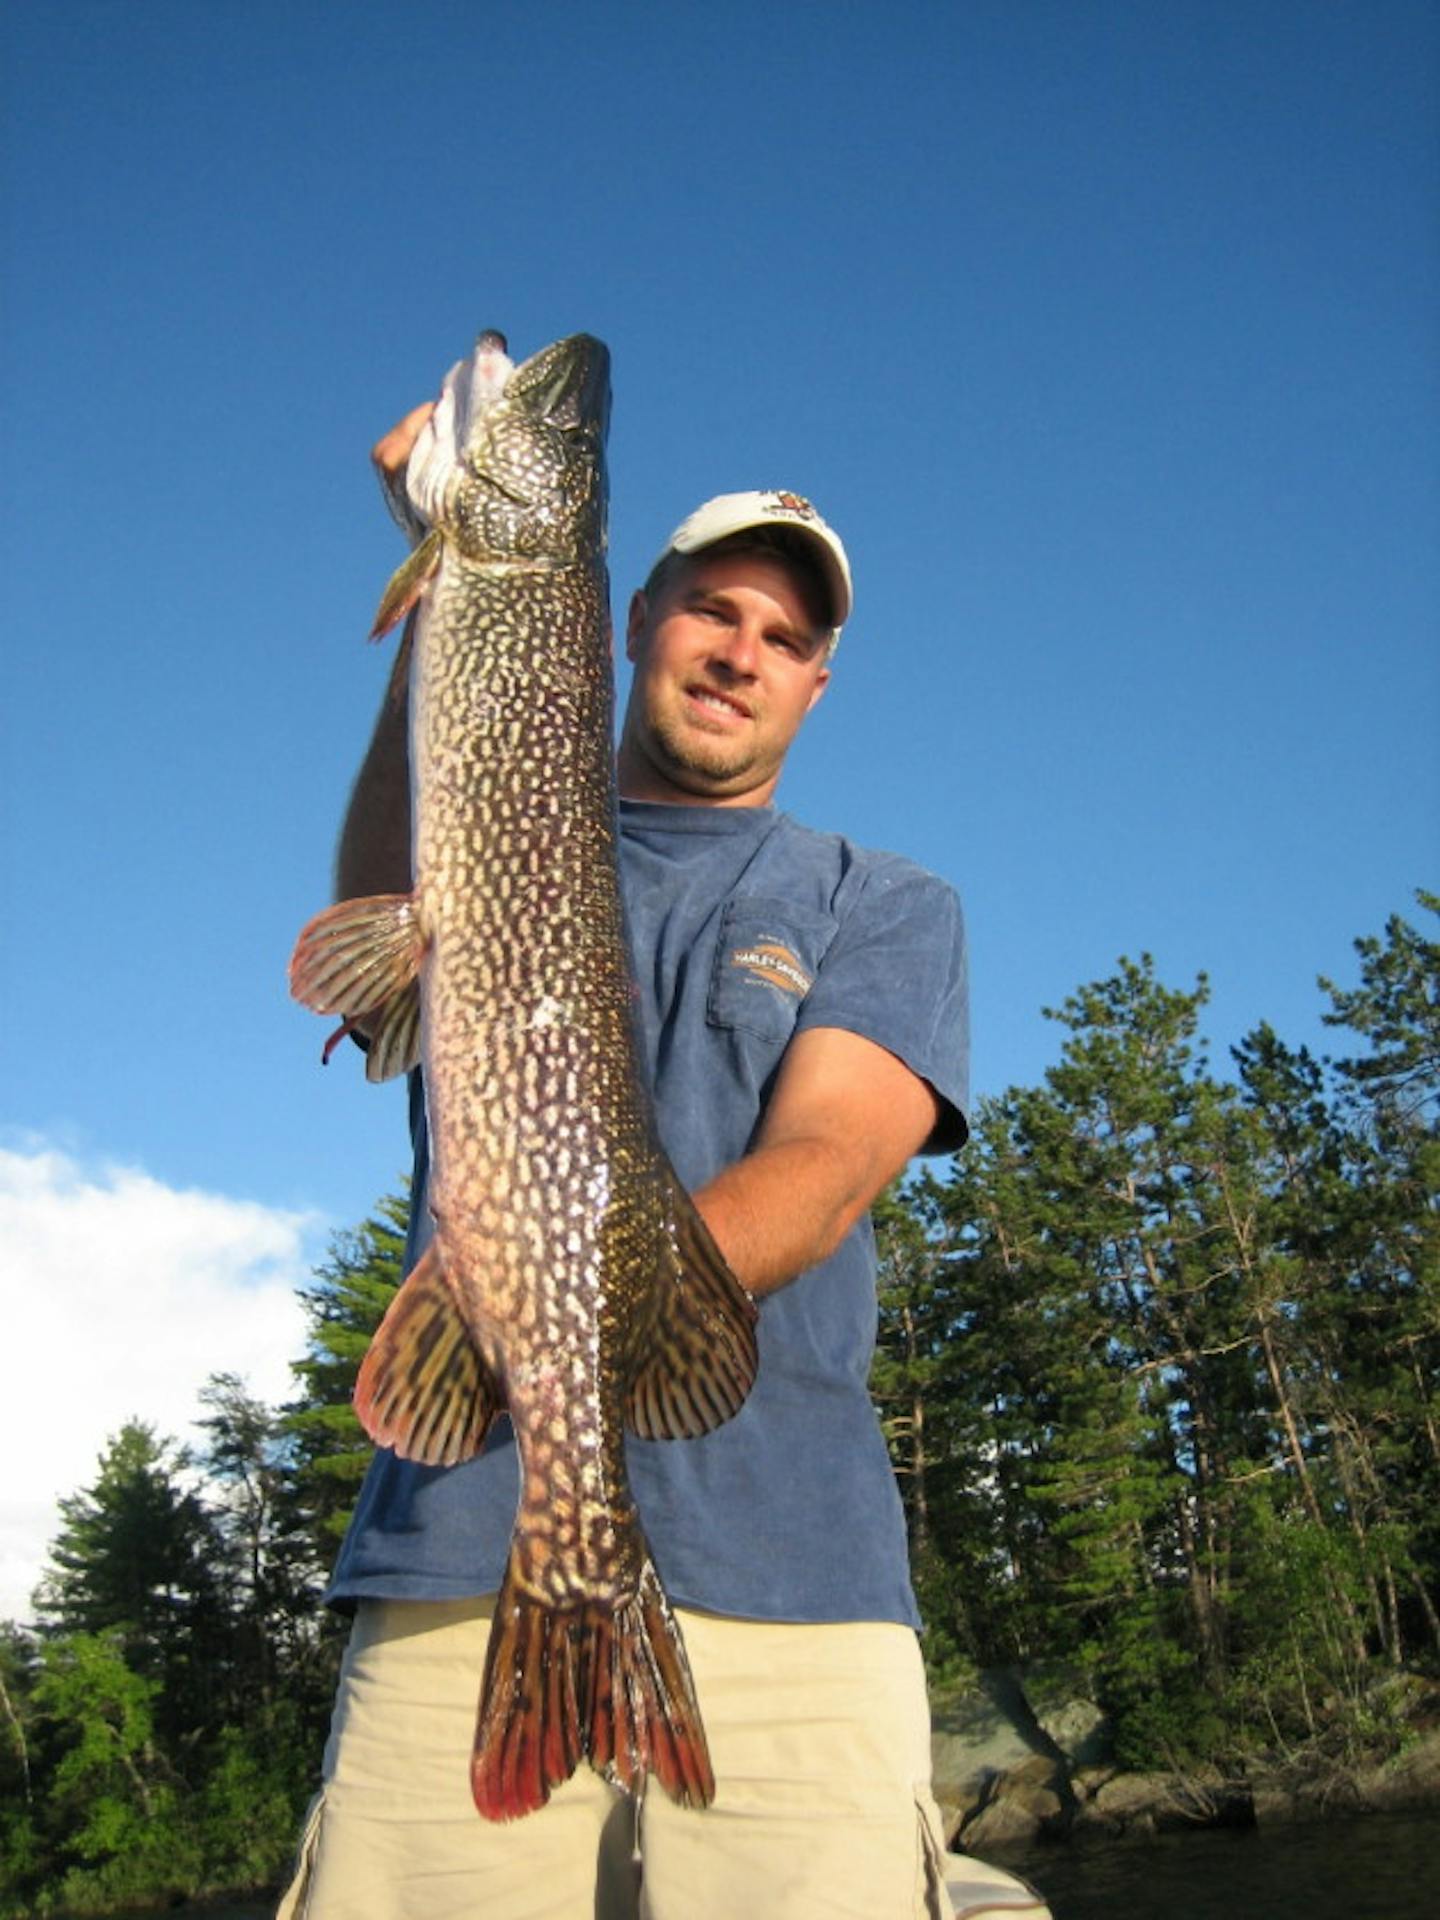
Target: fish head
pixel 532 488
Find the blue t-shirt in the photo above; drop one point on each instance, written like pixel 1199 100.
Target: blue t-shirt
pixel 745 928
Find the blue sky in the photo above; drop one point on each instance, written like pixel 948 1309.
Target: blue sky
pixel 1105 333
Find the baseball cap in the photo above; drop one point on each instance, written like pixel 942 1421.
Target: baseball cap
pixel 731 513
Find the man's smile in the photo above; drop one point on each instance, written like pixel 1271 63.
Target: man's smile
pixel 713 700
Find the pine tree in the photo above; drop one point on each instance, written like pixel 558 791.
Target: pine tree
pixel 21 1850
pixel 344 1307
pixel 1386 1325
pixel 138 1553
pixel 280 1657
pixel 1096 1232
pixel 932 1430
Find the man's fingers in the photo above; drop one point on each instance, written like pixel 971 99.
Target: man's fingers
pixel 392 450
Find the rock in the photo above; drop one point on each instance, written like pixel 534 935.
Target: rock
pixel 976 1739
pixel 1144 1803
pixel 1004 1823
pixel 1412 1779
pixel 976 1731
pixel 1314 1789
pixel 1026 1803
pixel 957 1805
pixel 1014 1763
pixel 1081 1731
pixel 1043 1784
pixel 963 1764
pixel 989 1744
pixel 1087 1781
pixel 1125 1803
pixel 1067 1715
pixel 1280 1805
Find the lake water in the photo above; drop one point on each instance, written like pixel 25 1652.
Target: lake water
pixel 1380 1867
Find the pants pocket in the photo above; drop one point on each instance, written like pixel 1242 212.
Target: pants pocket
pixel 932 1902
pixel 295 1900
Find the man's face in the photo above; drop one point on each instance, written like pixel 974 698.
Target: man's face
pixel 729 658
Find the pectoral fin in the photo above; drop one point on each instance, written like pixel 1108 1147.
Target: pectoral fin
pixel 362 959
pixel 423 1387
pixel 703 1352
pixel 407 583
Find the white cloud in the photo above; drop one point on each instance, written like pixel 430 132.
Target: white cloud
pixel 120 1297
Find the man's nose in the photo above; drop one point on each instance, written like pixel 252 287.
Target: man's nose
pixel 739 652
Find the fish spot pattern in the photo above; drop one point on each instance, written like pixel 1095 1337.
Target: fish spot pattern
pixel 529 1047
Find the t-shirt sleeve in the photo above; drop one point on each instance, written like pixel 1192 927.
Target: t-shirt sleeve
pixel 897 973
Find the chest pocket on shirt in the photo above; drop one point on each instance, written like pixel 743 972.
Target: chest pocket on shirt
pixel 765 965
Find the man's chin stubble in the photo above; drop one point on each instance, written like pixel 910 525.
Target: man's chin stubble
pixel 683 754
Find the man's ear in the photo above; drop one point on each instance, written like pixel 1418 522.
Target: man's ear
pixel 821 682
pixel 635 623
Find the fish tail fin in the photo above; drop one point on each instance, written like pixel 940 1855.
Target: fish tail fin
pixel 644 1717
pixel 590 1682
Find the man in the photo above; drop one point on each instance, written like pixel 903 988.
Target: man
pixel 802 1005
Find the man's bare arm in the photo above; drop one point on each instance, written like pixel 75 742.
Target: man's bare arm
pixel 843 1119
pixel 374 851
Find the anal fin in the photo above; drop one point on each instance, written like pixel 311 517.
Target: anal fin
pixel 424 1387
pixel 703 1353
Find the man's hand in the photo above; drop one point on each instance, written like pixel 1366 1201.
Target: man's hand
pixel 843 1119
pixel 391 451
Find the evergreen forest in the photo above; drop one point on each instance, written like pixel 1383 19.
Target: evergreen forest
pixel 1157 1368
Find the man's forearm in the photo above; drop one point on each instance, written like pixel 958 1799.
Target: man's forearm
pixel 844 1117
pixel 374 851
pixel 780 1210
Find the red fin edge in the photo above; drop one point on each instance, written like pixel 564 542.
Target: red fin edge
pixel 562 1685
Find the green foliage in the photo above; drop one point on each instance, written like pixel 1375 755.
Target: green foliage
pixel 281 1645
pixel 162 1736
pixel 139 1555
pixel 344 1307
pixel 119 1802
pixel 247 1809
pixel 1165 1714
pixel 1171 1343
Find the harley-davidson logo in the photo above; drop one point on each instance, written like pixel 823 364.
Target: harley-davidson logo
pixel 776 965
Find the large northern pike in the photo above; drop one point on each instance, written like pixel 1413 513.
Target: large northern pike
pixel 570 1280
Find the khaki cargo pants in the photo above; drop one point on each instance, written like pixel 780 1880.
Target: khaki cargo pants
pixel 820 1741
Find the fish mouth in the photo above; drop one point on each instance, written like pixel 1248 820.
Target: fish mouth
pixel 533 491
pixel 567 385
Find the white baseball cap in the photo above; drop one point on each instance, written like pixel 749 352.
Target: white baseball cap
pixel 731 513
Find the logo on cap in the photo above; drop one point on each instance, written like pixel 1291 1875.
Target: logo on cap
pixel 795 503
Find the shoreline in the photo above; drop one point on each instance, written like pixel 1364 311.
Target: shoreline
pixel 1010 1775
